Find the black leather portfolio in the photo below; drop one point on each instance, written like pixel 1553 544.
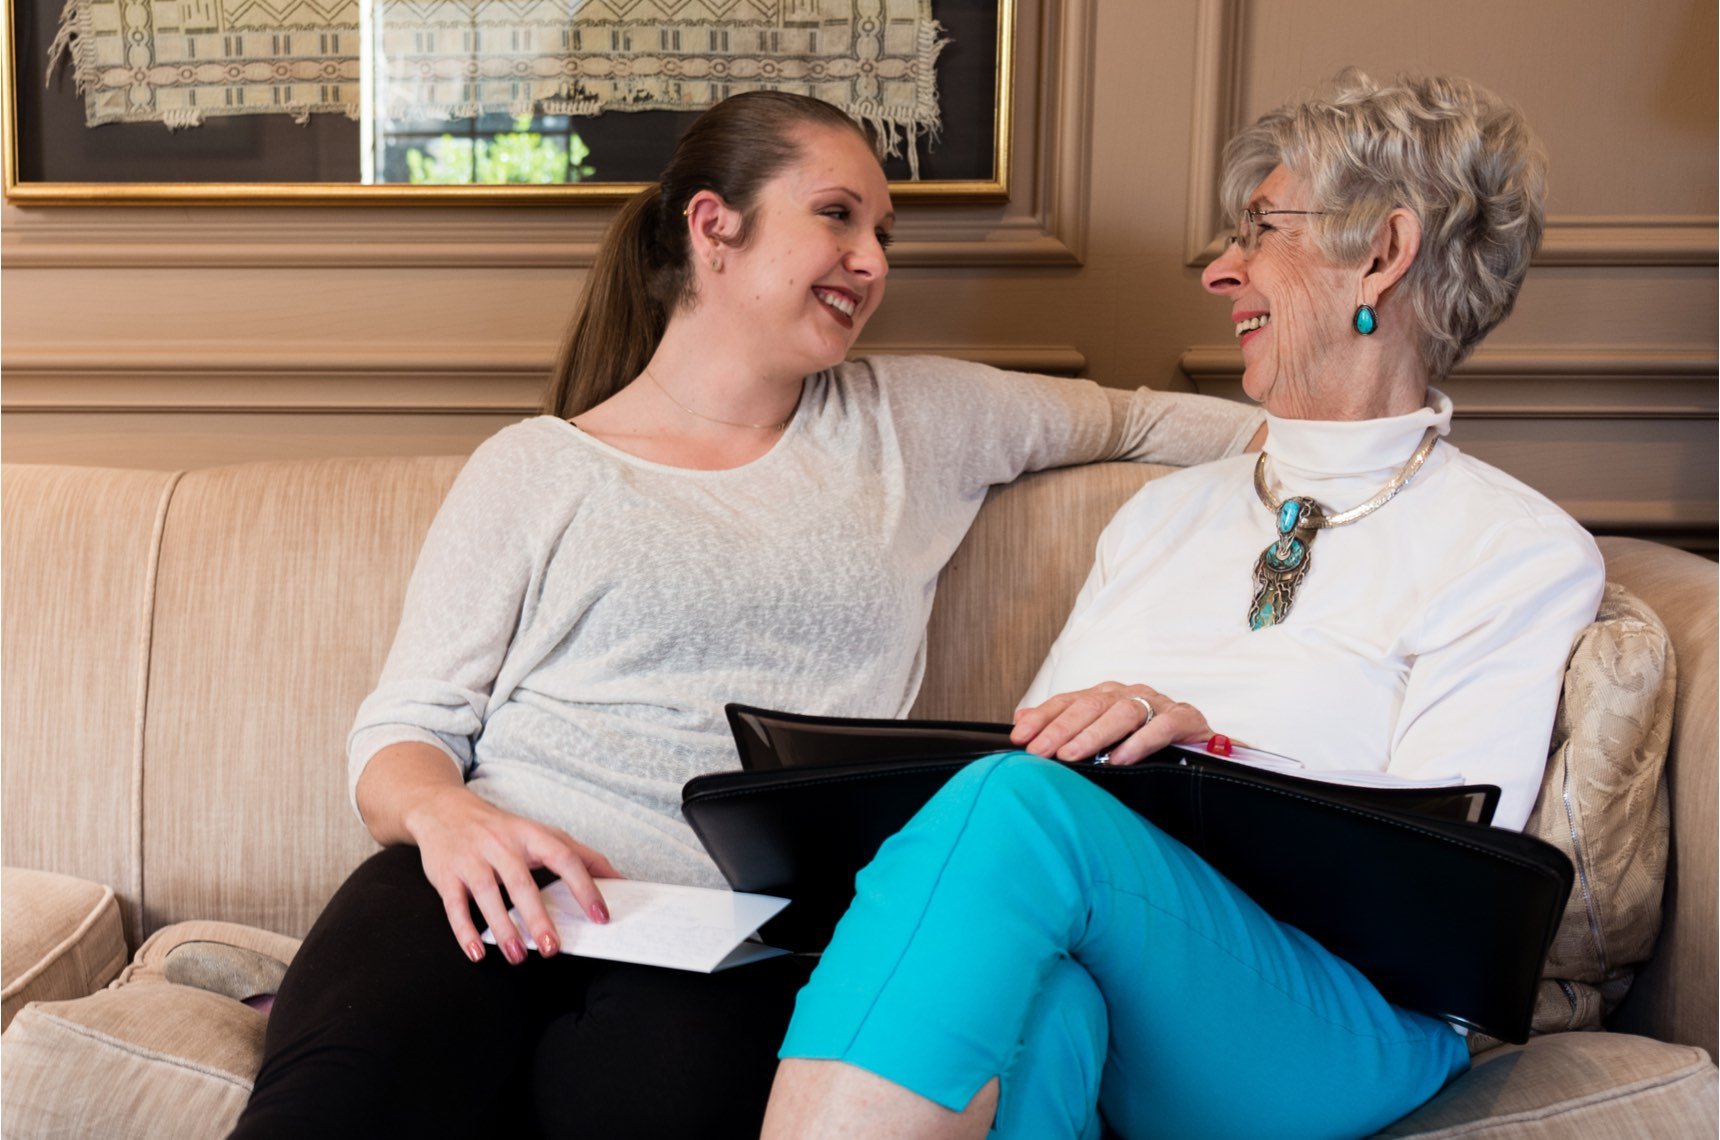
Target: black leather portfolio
pixel 1445 916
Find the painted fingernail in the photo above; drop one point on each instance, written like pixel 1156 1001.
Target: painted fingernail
pixel 547 946
pixel 598 912
pixel 515 952
pixel 475 950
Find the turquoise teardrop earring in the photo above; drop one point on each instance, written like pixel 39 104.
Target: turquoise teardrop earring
pixel 1366 320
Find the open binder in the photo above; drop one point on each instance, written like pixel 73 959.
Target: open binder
pixel 1443 914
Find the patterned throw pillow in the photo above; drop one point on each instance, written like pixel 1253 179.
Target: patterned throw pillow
pixel 1604 804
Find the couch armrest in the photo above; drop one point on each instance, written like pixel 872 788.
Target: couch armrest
pixel 1674 996
pixel 60 938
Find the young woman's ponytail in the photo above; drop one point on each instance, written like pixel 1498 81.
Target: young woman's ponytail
pixel 618 322
pixel 643 271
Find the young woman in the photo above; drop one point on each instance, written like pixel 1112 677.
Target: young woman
pixel 716 508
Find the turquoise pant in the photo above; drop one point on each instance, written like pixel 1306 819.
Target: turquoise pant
pixel 1025 925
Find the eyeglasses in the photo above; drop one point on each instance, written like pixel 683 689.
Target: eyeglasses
pixel 1247 235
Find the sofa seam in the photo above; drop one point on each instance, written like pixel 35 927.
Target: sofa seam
pixel 145 661
pixel 1564 1108
pixel 147 1054
pixel 66 945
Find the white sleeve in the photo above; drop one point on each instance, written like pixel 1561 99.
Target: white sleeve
pixel 463 607
pixel 1490 660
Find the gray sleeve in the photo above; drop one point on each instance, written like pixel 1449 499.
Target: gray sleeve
pixel 1179 428
pixel 463 608
pixel 980 426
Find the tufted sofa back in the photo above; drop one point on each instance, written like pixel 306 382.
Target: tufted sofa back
pixel 183 653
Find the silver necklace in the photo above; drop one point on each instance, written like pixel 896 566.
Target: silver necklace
pixel 783 426
pixel 1279 570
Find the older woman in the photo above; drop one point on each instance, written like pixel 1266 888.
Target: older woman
pixel 1027 953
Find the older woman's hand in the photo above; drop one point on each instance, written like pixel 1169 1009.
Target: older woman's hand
pixel 1075 726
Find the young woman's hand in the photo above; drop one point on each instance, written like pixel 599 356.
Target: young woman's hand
pixel 473 851
pixel 1112 715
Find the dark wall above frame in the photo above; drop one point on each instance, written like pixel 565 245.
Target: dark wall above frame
pixel 54 157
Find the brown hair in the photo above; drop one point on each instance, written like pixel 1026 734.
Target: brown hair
pixel 643 270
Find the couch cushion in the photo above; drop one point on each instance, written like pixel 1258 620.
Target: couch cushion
pixel 124 1060
pixel 1674 994
pixel 77 554
pixel 279 590
pixel 1576 1086
pixel 60 937
pixel 1603 803
pixel 996 613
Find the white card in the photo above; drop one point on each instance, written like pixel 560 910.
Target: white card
pixel 657 924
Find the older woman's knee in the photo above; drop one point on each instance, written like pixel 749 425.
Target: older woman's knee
pixel 1000 785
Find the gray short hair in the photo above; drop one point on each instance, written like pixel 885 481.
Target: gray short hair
pixel 1459 158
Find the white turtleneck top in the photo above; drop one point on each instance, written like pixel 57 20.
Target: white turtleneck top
pixel 1428 639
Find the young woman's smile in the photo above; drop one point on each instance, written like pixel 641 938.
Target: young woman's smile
pixel 813 269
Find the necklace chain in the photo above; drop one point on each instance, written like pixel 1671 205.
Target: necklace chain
pixel 1316 520
pixel 783 426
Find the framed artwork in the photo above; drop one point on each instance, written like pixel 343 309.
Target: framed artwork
pixel 344 101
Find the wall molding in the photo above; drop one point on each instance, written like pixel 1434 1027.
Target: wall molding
pixel 1044 223
pixel 1217 115
pixel 1678 384
pixel 156 379
pixel 1570 240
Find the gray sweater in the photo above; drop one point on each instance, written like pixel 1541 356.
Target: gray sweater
pixel 579 616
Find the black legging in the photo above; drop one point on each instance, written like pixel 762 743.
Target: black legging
pixel 383 1028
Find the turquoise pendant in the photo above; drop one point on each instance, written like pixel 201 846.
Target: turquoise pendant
pixel 1279 570
pixel 1366 320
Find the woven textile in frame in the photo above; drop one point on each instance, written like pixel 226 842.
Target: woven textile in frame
pixel 180 61
pixel 455 59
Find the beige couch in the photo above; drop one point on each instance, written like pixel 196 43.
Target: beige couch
pixel 183 652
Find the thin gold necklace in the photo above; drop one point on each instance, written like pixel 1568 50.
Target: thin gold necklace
pixel 783 426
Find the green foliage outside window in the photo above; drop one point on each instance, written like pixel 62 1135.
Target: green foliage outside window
pixel 521 156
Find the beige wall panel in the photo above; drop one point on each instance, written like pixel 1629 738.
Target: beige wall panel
pixel 1613 306
pixel 300 309
pixel 1129 311
pixel 256 315
pixel 1594 467
pixel 1636 78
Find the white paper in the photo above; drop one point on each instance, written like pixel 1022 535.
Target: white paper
pixel 658 924
pixel 1355 778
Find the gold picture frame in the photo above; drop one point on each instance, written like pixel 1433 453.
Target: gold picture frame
pixel 20 188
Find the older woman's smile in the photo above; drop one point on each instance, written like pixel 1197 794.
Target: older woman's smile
pixel 1293 305
pixel 1249 322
